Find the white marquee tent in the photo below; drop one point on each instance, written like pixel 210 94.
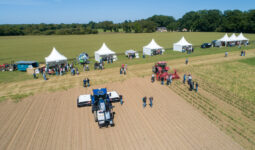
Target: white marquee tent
pixel 241 38
pixel 225 38
pixel 182 44
pixel 233 38
pixel 152 46
pixel 104 52
pixel 55 58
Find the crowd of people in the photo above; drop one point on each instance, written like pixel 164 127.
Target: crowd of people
pixel 192 85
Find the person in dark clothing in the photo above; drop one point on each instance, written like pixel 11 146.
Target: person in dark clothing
pixel 125 72
pixel 244 53
pixel 88 82
pixel 34 75
pixel 144 101
pixel 121 100
pixel 120 70
pixel 184 78
pixel 186 61
pixel 151 100
pixel 152 78
pixel 190 86
pixel 168 81
pixel 162 80
pixel 85 83
pixel 196 86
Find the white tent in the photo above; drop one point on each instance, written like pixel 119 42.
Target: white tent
pixel 241 38
pixel 233 38
pixel 182 44
pixel 55 58
pixel 152 46
pixel 104 52
pixel 225 38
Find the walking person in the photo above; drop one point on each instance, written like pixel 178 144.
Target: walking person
pixel 244 53
pixel 120 70
pixel 125 72
pixel 44 76
pixel 168 81
pixel 184 78
pixel 144 101
pixel 226 54
pixel 151 100
pixel 196 86
pixel 186 61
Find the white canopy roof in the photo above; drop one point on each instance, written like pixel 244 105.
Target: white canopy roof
pixel 225 38
pixel 130 51
pixel 241 37
pixel 182 42
pixel 233 37
pixel 153 45
pixel 55 56
pixel 104 50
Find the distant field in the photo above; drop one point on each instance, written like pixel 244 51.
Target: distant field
pixel 38 47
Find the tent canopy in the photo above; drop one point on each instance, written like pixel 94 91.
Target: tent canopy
pixel 183 42
pixel 233 38
pixel 103 52
pixel 241 37
pixel 225 38
pixel 55 57
pixel 153 45
pixel 130 51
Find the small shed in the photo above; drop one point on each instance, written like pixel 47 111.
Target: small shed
pixel 23 65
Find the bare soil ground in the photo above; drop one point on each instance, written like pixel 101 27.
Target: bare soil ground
pixel 52 121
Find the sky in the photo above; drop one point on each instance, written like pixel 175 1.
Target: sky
pixel 83 11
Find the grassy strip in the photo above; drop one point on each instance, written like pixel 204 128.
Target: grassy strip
pixel 249 61
pixel 18 97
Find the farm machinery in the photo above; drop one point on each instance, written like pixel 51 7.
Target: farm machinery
pixel 83 58
pixel 101 103
pixel 161 70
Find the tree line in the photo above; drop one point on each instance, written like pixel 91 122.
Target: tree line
pixel 195 21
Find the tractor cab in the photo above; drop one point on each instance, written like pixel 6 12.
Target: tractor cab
pixel 161 67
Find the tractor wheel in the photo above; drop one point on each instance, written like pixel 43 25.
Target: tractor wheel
pixel 95 116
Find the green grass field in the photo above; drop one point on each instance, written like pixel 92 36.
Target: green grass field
pixel 38 47
pixel 250 61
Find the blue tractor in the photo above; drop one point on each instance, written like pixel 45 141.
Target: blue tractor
pixel 102 107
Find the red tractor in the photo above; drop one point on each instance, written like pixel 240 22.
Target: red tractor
pixel 161 70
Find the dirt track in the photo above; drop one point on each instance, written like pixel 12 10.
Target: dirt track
pixel 52 121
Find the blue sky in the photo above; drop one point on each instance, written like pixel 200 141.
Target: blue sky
pixel 83 11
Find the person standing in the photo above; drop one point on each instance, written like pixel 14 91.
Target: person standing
pixel 85 82
pixel 120 70
pixel 44 76
pixel 193 85
pixel 151 100
pixel 170 79
pixel 226 54
pixel 125 72
pixel 121 100
pixel 196 86
pixel 244 53
pixel 184 78
pixel 88 82
pixel 186 61
pixel 144 101
pixel 152 78
pixel 162 80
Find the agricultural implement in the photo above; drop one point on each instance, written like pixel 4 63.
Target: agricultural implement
pixel 161 70
pixel 101 103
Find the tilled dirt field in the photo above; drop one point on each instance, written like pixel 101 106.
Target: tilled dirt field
pixel 53 121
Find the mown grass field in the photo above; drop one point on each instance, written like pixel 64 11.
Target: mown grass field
pixel 38 47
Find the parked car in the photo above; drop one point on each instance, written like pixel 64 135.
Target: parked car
pixel 216 43
pixel 206 45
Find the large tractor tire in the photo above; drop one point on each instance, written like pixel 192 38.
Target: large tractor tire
pixel 95 116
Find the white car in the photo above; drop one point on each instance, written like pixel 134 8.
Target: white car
pixel 84 100
pixel 114 96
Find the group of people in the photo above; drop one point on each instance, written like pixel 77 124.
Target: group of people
pixel 243 53
pixel 74 71
pixel 109 59
pixel 145 101
pixel 192 85
pixel 85 67
pixel 86 82
pixel 99 65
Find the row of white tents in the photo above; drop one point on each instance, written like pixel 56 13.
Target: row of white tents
pixel 233 38
pixel 56 58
